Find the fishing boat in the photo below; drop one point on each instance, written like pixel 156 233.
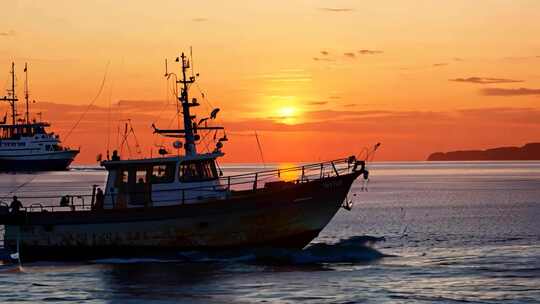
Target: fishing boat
pixel 25 144
pixel 171 203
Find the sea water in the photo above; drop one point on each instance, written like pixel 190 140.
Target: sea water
pixel 455 232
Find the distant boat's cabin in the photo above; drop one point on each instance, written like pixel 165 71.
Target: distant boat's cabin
pixel 23 130
pixel 162 181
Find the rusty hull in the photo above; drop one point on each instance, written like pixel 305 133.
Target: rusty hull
pixel 287 217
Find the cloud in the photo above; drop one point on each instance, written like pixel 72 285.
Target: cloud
pixel 326 56
pixel 285 75
pixel 337 114
pixel 485 80
pixel 520 58
pixel 336 9
pixel 458 59
pixel 142 105
pixel 200 19
pixel 369 52
pixel 9 33
pixel 317 103
pixel 405 134
pixel 502 115
pixel 322 59
pixel 510 92
pixel 440 64
pixel 349 105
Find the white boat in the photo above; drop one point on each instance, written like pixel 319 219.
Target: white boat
pixel 26 145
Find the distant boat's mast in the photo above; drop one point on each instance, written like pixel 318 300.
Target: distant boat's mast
pixel 189 145
pixel 27 114
pixel 12 97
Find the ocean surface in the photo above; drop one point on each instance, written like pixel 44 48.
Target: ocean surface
pixel 455 232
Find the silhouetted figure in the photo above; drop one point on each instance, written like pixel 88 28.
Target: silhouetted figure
pixel 100 199
pixel 64 201
pixel 115 156
pixel 15 205
pixel 366 180
pixel 140 192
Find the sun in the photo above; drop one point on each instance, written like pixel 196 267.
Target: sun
pixel 287 114
pixel 283 109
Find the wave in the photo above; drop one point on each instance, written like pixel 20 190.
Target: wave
pixel 133 260
pixel 351 250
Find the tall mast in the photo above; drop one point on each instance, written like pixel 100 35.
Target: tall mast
pixel 12 97
pixel 191 128
pixel 189 145
pixel 27 113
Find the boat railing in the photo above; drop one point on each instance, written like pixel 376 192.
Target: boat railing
pixel 35 206
pixel 227 186
pixel 296 174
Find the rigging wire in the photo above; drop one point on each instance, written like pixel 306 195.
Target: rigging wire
pixel 23 184
pixel 204 96
pixel 109 120
pixel 260 149
pixel 109 111
pixel 156 118
pixel 92 102
pixel 125 139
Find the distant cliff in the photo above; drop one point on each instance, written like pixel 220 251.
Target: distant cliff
pixel 529 151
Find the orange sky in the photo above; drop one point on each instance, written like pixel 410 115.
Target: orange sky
pixel 418 76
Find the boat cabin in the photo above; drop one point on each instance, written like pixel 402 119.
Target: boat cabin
pixel 18 131
pixel 162 181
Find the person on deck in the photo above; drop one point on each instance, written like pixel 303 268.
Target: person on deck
pixel 366 180
pixel 100 198
pixel 15 205
pixel 64 201
pixel 115 156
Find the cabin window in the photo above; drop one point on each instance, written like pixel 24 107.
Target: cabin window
pixel 133 187
pixel 131 176
pixel 162 173
pixel 197 170
pixel 140 176
pixel 122 177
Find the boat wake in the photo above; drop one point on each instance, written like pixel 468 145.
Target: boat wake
pixel 355 249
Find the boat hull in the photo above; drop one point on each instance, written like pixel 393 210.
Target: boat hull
pixel 287 218
pixel 53 161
